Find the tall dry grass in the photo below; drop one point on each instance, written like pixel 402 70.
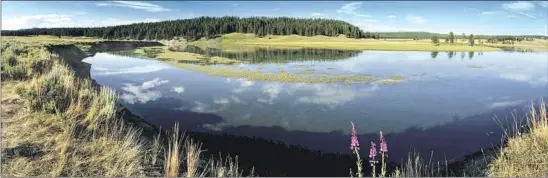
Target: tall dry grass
pixel 61 125
pixel 526 152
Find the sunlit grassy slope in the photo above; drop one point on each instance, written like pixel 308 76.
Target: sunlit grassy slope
pixel 57 124
pixel 340 42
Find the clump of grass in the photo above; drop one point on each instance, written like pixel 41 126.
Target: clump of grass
pixel 526 152
pixel 183 158
pixel 21 61
pixel 396 77
pixel 164 53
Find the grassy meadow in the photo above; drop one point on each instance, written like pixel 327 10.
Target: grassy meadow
pixel 340 42
pixel 57 124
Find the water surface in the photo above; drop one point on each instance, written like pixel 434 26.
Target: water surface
pixel 446 103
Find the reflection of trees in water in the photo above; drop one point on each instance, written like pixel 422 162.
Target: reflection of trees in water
pixel 516 50
pixel 260 55
pixel 131 53
pixel 450 54
pixel 470 55
pixel 434 54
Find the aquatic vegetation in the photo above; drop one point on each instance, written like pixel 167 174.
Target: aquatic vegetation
pixel 164 53
pixel 281 76
pixel 396 77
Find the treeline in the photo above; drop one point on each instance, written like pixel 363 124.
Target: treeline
pixel 208 27
pixel 261 55
pixel 429 35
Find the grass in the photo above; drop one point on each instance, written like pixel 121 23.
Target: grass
pixel 280 77
pixel 163 53
pixel 537 45
pixel 526 152
pixel 340 42
pixel 57 124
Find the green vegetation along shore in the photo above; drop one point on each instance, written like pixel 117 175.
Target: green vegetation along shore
pixel 342 42
pixel 57 123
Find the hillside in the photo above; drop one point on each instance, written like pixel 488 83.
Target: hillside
pixel 208 27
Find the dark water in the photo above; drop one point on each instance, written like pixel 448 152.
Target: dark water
pixel 447 103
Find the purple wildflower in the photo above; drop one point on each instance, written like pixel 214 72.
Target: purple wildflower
pixel 372 153
pixel 354 144
pixel 384 147
pixel 373 150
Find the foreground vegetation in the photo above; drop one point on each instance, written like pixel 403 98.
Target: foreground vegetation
pixel 58 124
pixel 526 153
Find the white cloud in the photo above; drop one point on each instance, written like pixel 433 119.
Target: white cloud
pixel 61 20
pixel 317 15
pixel 135 70
pixel 179 90
pixel 543 4
pixel 235 99
pixel 273 90
pixel 332 95
pixel 155 82
pixel 523 77
pixel 142 93
pixel 136 5
pixel 415 19
pixel 350 8
pixel 202 108
pixel 222 101
pixel 45 20
pixel 391 16
pixel 244 84
pixel 467 9
pixel 489 12
pixel 519 6
pixel 504 103
pixel 370 20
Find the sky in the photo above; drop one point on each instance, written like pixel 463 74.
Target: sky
pixel 477 17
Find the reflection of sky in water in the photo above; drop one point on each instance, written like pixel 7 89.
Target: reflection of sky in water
pixel 437 90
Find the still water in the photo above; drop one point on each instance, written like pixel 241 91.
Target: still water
pixel 446 105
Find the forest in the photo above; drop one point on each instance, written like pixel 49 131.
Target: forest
pixel 212 27
pixel 208 27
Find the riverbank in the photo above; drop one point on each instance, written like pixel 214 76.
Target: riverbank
pixel 340 42
pixel 57 122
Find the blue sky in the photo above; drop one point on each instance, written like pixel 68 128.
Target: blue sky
pixel 487 17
